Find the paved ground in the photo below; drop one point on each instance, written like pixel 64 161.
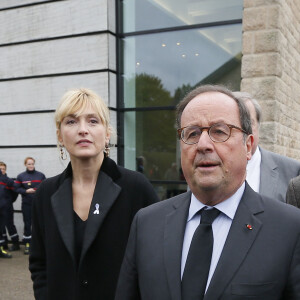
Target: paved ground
pixel 15 282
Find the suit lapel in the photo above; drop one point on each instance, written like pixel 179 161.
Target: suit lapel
pixel 106 192
pixel 62 205
pixel 175 224
pixel 238 243
pixel 268 175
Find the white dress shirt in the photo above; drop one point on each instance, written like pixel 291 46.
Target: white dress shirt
pixel 253 170
pixel 220 227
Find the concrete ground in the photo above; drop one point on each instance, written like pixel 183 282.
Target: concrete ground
pixel 15 282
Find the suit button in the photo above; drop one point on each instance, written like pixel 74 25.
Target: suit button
pixel 85 283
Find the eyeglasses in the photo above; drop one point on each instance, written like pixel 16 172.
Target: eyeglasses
pixel 218 133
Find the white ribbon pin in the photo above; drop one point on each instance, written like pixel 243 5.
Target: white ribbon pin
pixel 96 212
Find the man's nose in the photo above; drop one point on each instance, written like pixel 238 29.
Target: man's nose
pixel 205 143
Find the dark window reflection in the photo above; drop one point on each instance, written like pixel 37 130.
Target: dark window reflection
pixel 160 68
pixel 152 14
pixel 163 189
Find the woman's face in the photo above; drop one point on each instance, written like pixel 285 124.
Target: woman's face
pixel 29 165
pixel 83 136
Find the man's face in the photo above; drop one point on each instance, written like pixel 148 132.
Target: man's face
pixel 254 123
pixel 214 171
pixel 3 169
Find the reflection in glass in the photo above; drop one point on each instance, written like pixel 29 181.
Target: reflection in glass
pixel 163 188
pixel 152 14
pixel 160 68
pixel 154 149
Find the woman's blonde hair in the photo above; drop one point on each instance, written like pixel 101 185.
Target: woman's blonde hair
pixel 74 102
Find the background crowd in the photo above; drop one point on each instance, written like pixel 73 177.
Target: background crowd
pixel 26 185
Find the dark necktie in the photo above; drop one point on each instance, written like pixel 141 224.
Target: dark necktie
pixel 197 265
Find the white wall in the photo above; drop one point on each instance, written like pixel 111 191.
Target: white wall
pixel 45 50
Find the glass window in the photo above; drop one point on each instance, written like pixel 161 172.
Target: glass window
pixel 151 142
pixel 152 14
pixel 167 190
pixel 159 68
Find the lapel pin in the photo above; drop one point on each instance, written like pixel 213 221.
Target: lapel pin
pixel 96 212
pixel 249 226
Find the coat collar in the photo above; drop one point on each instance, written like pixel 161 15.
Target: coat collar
pixel 105 194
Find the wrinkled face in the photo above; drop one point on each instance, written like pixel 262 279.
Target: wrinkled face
pixel 3 169
pixel 214 171
pixel 254 124
pixel 83 136
pixel 29 165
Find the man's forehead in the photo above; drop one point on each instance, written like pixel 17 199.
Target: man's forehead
pixel 211 102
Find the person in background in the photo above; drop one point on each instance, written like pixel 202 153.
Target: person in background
pixel 268 173
pixel 82 217
pixel 26 184
pixel 9 225
pixel 293 192
pixel 5 184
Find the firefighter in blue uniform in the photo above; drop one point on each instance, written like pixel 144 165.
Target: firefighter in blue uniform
pixel 9 215
pixel 26 185
pixel 5 183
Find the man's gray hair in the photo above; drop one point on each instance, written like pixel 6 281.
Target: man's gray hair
pixel 247 97
pixel 245 119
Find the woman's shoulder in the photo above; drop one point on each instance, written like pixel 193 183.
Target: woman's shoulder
pixel 51 183
pixel 123 175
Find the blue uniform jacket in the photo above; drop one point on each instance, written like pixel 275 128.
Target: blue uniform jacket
pixel 6 185
pixel 27 180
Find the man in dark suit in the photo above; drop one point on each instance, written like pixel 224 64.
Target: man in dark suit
pixel 268 173
pixel 293 192
pixel 255 246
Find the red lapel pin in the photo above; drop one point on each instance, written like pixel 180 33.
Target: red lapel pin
pixel 249 226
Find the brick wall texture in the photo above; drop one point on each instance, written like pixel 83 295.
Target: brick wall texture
pixel 271 70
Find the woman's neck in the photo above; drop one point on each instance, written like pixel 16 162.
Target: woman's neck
pixel 86 171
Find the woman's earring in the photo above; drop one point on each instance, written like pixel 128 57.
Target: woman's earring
pixel 63 153
pixel 107 150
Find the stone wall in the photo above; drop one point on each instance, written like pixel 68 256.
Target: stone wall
pixel 271 70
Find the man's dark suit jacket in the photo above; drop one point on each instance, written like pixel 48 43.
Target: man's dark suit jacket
pixel 56 275
pixel 293 192
pixel 275 173
pixel 262 263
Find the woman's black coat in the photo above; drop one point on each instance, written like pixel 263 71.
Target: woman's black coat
pixel 120 193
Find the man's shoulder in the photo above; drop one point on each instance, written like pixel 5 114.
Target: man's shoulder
pixel 279 158
pixel 280 211
pixel 165 206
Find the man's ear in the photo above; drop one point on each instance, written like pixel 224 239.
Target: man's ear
pixel 249 145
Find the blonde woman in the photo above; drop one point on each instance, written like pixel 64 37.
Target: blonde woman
pixel 82 217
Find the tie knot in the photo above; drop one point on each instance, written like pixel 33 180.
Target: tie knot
pixel 209 215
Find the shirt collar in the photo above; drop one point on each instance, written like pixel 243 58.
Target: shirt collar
pixel 227 207
pixel 255 160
